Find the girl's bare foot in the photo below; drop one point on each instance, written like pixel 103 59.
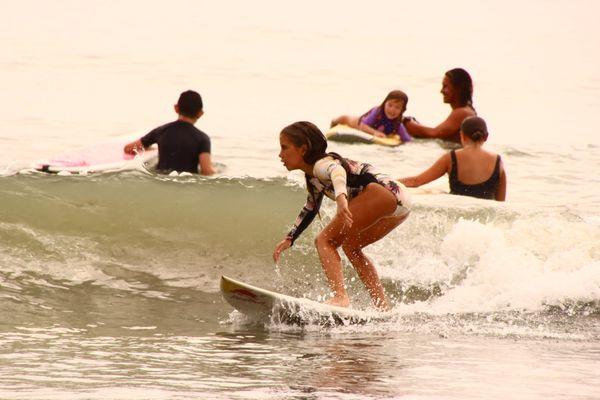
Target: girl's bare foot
pixel 382 305
pixel 340 302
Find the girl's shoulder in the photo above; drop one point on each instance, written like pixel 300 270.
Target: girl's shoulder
pixel 479 157
pixel 490 153
pixel 372 113
pixel 446 159
pixel 323 165
pixel 325 160
pixel 377 110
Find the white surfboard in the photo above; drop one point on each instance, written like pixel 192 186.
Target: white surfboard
pixel 266 305
pixel 346 134
pixel 102 157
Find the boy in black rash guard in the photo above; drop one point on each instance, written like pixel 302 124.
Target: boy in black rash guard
pixel 181 146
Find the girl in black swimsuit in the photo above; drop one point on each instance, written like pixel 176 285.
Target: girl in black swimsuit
pixel 481 173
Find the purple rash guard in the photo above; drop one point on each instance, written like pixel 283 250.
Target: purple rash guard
pixel 377 119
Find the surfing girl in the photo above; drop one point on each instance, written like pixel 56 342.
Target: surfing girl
pixel 481 173
pixel 369 206
pixel 383 120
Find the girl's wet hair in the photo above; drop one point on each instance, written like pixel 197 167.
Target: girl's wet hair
pixel 475 128
pixel 462 82
pixel 398 95
pixel 304 133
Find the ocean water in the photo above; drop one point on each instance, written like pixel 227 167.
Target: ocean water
pixel 109 283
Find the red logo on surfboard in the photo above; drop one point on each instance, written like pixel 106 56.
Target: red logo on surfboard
pixel 246 295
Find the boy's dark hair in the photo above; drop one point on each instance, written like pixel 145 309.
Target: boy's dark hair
pixel 189 103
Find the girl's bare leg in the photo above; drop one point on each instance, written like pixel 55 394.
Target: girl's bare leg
pixel 327 243
pixel 371 211
pixel 349 120
pixel 353 246
pixel 374 204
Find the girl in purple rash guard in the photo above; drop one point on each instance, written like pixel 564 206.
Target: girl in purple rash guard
pixel 383 120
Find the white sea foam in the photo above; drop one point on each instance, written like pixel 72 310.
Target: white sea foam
pixel 524 265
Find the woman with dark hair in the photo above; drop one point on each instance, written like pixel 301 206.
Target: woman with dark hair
pixel 481 173
pixel 369 206
pixel 457 89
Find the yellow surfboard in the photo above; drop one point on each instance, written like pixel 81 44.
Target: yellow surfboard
pixel 346 134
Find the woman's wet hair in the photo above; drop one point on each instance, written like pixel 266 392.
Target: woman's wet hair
pixel 475 128
pixel 462 82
